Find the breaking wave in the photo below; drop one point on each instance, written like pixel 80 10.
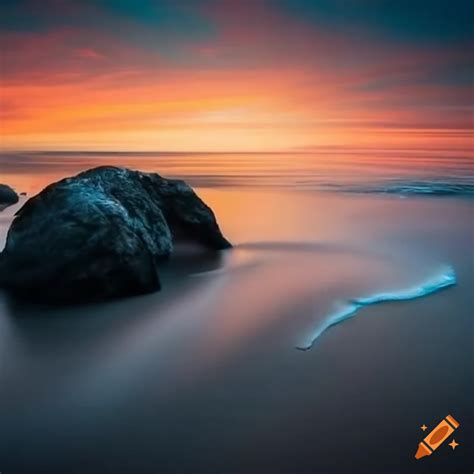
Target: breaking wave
pixel 444 279
pixel 415 187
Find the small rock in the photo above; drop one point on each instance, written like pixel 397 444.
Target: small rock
pixel 7 196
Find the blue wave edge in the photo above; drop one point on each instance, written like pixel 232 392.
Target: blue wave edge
pixel 416 187
pixel 444 279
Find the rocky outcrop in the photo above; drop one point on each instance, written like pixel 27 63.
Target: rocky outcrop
pixel 7 196
pixel 102 234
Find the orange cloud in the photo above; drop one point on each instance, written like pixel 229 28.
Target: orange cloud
pixel 262 82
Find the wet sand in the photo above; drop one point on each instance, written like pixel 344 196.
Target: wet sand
pixel 204 376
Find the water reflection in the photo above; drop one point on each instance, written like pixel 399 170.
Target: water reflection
pixel 323 169
pixel 207 367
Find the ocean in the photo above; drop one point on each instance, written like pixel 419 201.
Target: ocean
pixel 338 325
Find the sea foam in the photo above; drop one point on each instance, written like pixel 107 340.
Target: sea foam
pixel 448 187
pixel 443 279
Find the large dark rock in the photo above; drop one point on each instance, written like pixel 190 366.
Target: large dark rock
pixel 7 196
pixel 101 234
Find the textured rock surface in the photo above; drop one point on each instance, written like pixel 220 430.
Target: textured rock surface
pixel 101 234
pixel 7 196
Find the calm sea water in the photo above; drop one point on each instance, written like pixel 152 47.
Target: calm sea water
pixel 205 377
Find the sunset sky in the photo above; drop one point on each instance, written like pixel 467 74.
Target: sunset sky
pixel 235 75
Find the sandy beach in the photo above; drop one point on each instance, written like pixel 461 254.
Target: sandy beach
pixel 244 237
pixel 204 376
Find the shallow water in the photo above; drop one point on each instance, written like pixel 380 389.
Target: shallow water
pixel 205 376
pixel 372 170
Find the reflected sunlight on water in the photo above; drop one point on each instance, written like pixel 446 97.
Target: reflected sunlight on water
pixel 325 169
pixel 210 360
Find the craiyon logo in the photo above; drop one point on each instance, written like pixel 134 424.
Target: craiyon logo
pixel 438 435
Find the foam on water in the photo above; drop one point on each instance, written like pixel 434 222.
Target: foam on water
pixel 447 187
pixel 443 279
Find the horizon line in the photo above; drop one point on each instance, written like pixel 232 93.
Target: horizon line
pixel 301 150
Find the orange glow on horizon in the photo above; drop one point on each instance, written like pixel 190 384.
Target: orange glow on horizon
pixel 269 83
pixel 228 111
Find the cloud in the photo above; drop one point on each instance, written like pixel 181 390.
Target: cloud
pixel 89 53
pixel 213 73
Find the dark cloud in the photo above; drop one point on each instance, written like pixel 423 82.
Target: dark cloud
pixel 434 21
pixel 157 25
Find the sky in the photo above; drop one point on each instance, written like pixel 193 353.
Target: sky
pixel 228 75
